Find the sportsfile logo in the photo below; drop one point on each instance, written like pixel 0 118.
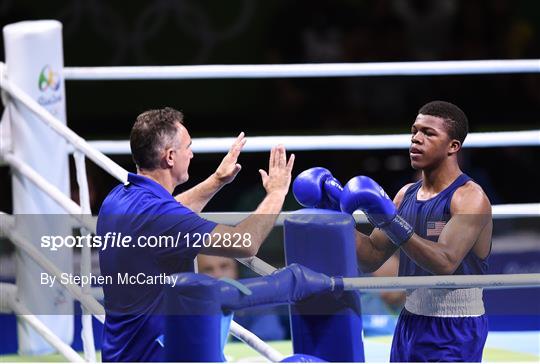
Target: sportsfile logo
pixel 48 79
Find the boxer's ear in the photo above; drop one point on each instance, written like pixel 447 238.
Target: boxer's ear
pixel 454 147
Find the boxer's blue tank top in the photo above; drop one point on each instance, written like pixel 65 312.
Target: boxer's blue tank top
pixel 428 218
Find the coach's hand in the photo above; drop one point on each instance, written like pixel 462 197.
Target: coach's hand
pixel 316 187
pixel 278 178
pixel 363 193
pixel 229 168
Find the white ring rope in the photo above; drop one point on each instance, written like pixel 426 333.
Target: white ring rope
pixel 303 70
pixel 93 306
pixel 86 300
pixel 79 143
pixel 65 202
pixel 76 211
pixel 515 210
pixel 250 71
pixel 71 207
pixel 265 143
pixel 503 211
pixel 87 332
pixel 10 303
pixel 101 160
pixel 489 281
pixel 256 343
pixel 334 142
pixel 257 265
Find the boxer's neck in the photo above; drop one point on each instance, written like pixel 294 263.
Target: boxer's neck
pixel 437 179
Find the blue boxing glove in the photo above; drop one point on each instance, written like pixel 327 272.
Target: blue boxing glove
pixel 316 187
pixel 363 193
pixel 302 358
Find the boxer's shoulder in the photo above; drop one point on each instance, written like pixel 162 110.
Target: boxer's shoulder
pixel 470 198
pixel 398 198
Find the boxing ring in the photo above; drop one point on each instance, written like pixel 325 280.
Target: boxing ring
pixel 18 102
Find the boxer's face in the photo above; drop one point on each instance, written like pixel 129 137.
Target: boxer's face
pixel 181 155
pixel 430 142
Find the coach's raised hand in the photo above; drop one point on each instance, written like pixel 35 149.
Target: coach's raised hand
pixel 278 178
pixel 363 193
pixel 229 166
pixel 316 187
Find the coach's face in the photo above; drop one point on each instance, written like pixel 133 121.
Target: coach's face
pixel 430 142
pixel 180 155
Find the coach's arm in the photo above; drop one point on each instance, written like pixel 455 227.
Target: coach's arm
pixel 259 224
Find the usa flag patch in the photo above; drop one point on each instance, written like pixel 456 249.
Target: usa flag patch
pixel 435 228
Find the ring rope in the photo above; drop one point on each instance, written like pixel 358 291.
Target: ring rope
pixel 488 281
pixel 257 265
pixel 92 305
pixel 109 165
pixel 65 132
pixel 87 332
pixel 52 191
pixel 80 143
pixel 515 210
pixel 502 211
pixel 86 300
pixel 261 271
pixel 256 343
pixel 334 142
pixel 10 303
pixel 71 207
pixel 303 70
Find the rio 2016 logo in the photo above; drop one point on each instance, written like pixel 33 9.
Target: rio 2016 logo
pixel 48 79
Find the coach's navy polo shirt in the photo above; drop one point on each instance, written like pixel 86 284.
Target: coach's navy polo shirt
pixel 135 315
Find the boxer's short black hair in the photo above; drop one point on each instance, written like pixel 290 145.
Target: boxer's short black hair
pixel 153 131
pixel 456 121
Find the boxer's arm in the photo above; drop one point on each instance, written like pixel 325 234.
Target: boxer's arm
pixel 197 197
pixel 373 250
pixel 471 212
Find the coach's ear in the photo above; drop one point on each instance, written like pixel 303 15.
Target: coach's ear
pixel 455 146
pixel 168 160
